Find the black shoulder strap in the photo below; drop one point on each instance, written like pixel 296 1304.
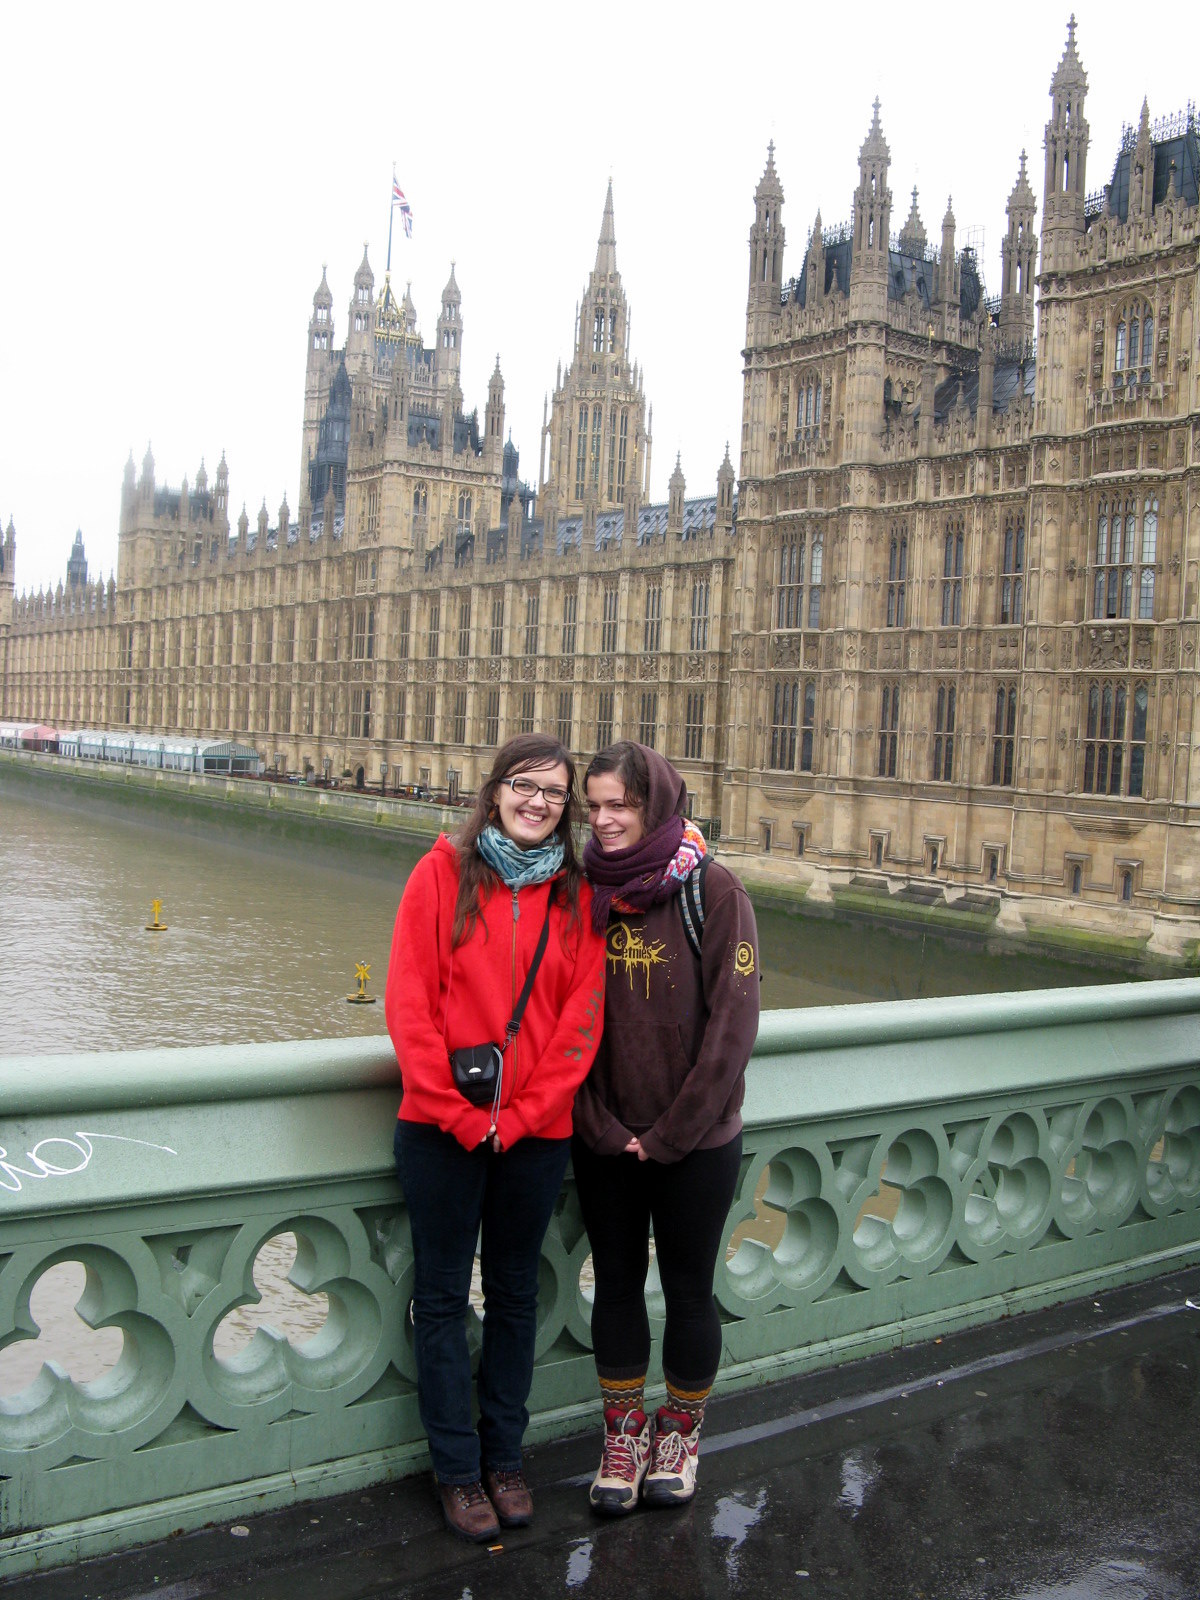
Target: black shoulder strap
pixel 514 1026
pixel 691 905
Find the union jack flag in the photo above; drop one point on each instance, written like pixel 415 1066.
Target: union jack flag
pixel 405 209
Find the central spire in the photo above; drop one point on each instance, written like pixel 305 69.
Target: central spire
pixel 606 249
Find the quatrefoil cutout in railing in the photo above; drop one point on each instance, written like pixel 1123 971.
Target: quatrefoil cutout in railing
pixel 316 1328
pixel 57 1333
pixel 785 1234
pixel 1173 1172
pixel 92 1371
pixel 1009 1192
pixel 906 1225
pixel 1100 1185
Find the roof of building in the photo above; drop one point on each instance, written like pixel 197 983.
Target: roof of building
pixel 1176 148
pixel 1013 380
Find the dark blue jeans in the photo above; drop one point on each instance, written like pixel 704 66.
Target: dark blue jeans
pixel 452 1195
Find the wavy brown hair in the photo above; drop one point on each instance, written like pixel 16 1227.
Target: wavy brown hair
pixel 474 875
pixel 629 763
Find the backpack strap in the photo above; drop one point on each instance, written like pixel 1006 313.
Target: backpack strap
pixel 691 905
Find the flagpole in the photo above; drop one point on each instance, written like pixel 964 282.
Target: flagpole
pixel 391 214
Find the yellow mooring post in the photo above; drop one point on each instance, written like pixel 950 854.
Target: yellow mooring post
pixel 156 926
pixel 362 972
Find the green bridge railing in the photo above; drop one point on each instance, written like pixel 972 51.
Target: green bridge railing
pixel 910 1168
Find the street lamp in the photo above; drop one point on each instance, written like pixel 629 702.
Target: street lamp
pixel 382 775
pixel 326 763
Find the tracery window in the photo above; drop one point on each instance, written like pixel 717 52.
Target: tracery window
pixel 464 513
pixel 648 719
pixel 1133 350
pixel 621 453
pixel 693 728
pixel 808 717
pixel 943 738
pixel 491 718
pixel 433 635
pixel 783 725
pixel 464 626
pixel 566 714
pixel 604 718
pixel 497 638
pixel 533 606
pixel 570 608
pixel 581 453
pixel 1004 734
pixel 897 576
pixel 1114 752
pixel 1124 556
pixel 798 589
pixel 420 511
pixel 608 630
pixel 1012 581
pixel 652 627
pixel 952 566
pixel 889 724
pixel 698 635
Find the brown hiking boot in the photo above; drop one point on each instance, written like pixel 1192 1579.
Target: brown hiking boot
pixel 510 1495
pixel 468 1511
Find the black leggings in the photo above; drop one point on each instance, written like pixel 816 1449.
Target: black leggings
pixel 688 1202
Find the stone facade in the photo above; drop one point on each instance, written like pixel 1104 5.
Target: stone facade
pixel 948 635
pixel 965 627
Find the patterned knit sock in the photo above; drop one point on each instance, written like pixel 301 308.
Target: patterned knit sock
pixel 622 1391
pixel 688 1398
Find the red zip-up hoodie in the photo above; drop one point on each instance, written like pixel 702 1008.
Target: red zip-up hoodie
pixel 441 999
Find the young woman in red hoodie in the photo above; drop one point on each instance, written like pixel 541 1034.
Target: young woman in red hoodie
pixel 658 1125
pixel 466 935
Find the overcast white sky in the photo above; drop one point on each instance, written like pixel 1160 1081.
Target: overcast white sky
pixel 174 178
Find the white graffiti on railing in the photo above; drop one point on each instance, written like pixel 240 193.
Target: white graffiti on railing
pixel 80 1145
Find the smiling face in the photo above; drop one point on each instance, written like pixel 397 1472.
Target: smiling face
pixel 616 823
pixel 529 820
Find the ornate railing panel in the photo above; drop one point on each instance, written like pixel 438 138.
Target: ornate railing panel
pixel 909 1168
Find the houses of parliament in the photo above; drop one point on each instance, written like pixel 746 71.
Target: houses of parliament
pixel 939 626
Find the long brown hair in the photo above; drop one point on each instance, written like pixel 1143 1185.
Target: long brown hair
pixel 474 875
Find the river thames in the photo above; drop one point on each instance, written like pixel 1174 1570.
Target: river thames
pixel 262 941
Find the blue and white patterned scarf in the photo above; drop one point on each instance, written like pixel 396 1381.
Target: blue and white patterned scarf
pixel 516 867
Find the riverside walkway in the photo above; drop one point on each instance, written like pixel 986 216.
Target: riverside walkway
pixel 1048 1457
pixel 959 1356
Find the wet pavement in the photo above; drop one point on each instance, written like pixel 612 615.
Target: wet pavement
pixel 1049 1457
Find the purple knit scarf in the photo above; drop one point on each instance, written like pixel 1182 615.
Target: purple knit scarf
pixel 636 876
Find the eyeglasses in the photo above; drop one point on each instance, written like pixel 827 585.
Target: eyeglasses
pixel 553 795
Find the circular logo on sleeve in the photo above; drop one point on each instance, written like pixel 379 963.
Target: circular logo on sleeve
pixel 743 959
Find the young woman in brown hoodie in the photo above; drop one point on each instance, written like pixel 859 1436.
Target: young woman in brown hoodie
pixel 658 1119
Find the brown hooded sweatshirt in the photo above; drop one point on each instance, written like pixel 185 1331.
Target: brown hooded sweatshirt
pixel 677 1031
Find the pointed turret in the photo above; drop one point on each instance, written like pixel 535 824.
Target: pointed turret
pixel 1018 256
pixel 77 564
pixel 815 288
pixel 361 337
pixel 447 356
pixel 606 248
pixel 1141 169
pixel 1066 159
pixel 493 432
pixel 766 254
pixel 912 234
pixel 948 278
pixel 725 483
pixel 872 225
pixel 676 487
pixel 320 324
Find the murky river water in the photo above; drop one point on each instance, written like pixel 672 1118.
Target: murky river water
pixel 261 944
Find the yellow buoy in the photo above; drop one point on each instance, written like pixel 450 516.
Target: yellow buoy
pixel 157 926
pixel 362 971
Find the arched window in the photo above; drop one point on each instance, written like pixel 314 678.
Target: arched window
pixel 889 723
pixel 1114 751
pixel 1148 553
pixel 464 512
pixel 581 453
pixel 897 575
pixel 943 739
pixel 952 565
pixel 1004 730
pixel 807 724
pixel 1134 345
pixel 1076 880
pixel 1012 583
pixel 1127 887
pixel 816 564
